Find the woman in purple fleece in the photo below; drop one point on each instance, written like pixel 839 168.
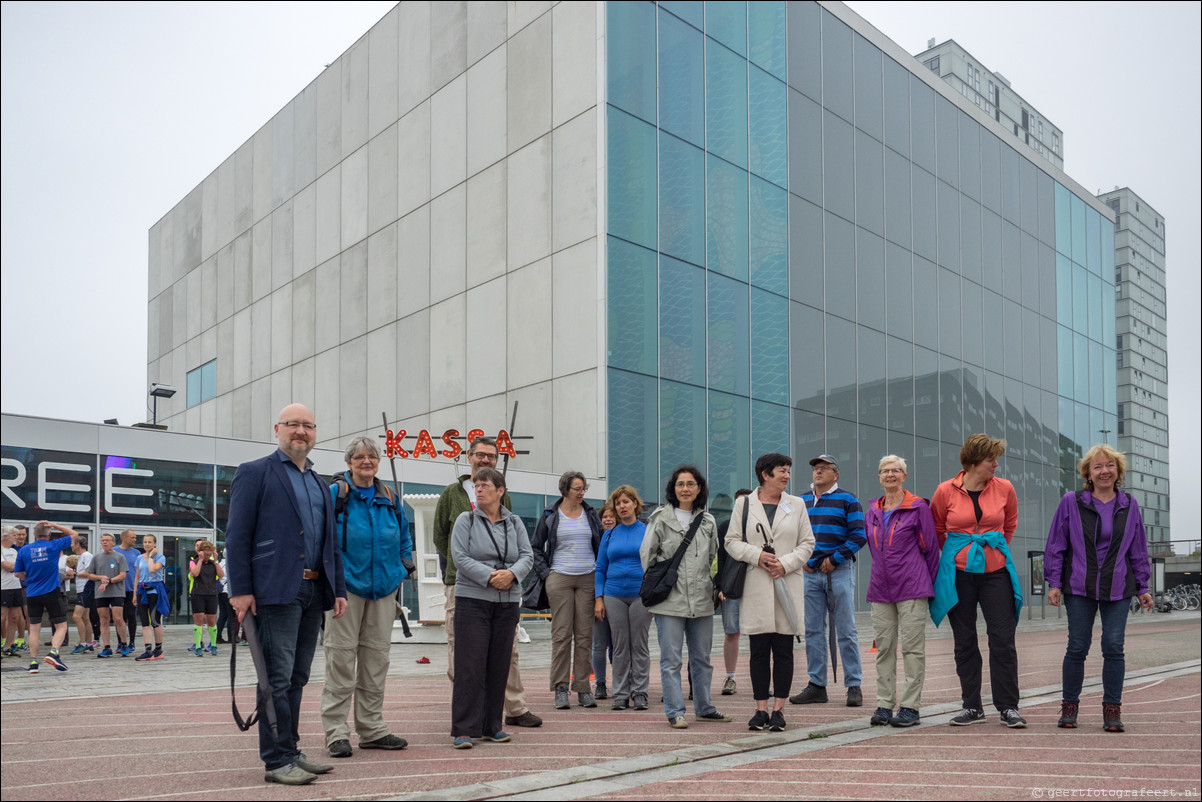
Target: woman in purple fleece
pixel 905 559
pixel 1096 559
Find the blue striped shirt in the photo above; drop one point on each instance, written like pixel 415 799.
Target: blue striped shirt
pixel 838 523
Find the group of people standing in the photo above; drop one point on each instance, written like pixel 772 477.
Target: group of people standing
pixel 304 554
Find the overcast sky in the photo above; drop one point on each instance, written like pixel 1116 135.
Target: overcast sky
pixel 112 112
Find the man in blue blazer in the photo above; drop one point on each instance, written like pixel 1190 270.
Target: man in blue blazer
pixel 285 569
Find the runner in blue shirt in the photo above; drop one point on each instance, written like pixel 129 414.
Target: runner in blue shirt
pixel 37 564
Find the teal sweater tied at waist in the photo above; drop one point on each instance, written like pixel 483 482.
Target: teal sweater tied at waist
pixel 945 581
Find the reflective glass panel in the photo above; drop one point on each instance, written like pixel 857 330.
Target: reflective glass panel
pixel 805 147
pixel 900 397
pixel 682 322
pixel 769 347
pixel 806 260
pixel 691 11
pixel 681 199
pixel 947 141
pixel 631 179
pixel 727 335
pixel 899 300
pixel 926 393
pixel 897 106
pixel 768 127
pixel 837 88
pixel 681 76
pixel 922 213
pixel 922 123
pixel 868 79
pixel 634 431
pixel 870 206
pixel 630 57
pixel 1064 222
pixel 970 239
pixel 725 103
pixel 840 267
pixel 805 48
pixel 807 368
pixel 970 157
pixel 951 405
pixel 632 294
pixel 926 304
pixel 897 199
pixel 769 430
pixel 726 21
pixel 840 368
pixel 768 238
pixel 1064 360
pixel 682 427
pixel 726 218
pixel 730 443
pixel 870 279
pixel 837 166
pixel 870 370
pixel 766 36
pixel 949 226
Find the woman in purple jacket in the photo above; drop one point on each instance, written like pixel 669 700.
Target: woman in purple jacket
pixel 1096 559
pixel 905 559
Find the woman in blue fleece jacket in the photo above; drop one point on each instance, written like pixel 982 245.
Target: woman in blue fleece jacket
pixel 619 574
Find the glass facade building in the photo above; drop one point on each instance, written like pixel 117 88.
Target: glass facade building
pixel 813 247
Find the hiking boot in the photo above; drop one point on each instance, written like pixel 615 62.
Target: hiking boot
pixel 340 748
pixel 716 716
pixel 561 697
pixel 777 722
pixel 586 700
pixel 527 719
pixel 676 722
pixel 855 697
pixel 906 717
pixel 639 701
pixel 53 659
pixel 880 717
pixel 968 715
pixel 1012 719
pixel 292 774
pixel 1068 716
pixel 1111 718
pixel 813 694
pixel 602 691
pixel 728 687
pixel 759 722
pixel 390 742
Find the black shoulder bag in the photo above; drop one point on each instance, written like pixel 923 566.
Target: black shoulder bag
pixel 734 572
pixel 660 577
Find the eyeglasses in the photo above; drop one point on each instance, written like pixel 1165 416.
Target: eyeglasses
pixel 686 485
pixel 296 424
pixel 891 470
pixel 578 488
pixel 483 455
pixel 362 457
pixel 483 486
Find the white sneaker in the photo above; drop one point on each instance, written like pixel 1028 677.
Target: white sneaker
pixel 523 635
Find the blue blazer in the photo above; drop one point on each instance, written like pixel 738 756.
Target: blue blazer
pixel 265 540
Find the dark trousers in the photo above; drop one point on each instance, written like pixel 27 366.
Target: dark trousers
pixel 227 622
pixel 484 632
pixel 995 594
pixel 771 654
pixel 131 617
pixel 288 635
pixel 1081 614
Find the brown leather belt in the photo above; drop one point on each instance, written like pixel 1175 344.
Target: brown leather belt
pixel 307 574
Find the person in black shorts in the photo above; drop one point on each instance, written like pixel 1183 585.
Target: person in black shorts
pixel 37 563
pixel 12 597
pixel 205 571
pixel 108 571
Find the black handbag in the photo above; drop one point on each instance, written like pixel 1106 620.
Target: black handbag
pixel 734 572
pixel 660 577
pixel 535 596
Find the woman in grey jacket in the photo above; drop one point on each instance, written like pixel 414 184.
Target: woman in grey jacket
pixel 689 609
pixel 492 555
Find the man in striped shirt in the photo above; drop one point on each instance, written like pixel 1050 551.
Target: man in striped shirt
pixel 830 581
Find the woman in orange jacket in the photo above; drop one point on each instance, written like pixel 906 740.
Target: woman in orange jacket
pixel 975 515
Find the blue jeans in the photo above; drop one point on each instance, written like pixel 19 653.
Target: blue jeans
pixel 671 630
pixel 288 635
pixel 835 591
pixel 1081 614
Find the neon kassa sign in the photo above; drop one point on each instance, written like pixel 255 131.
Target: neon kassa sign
pixel 425 444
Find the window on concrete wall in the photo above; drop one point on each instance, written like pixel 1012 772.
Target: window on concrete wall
pixel 202 383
